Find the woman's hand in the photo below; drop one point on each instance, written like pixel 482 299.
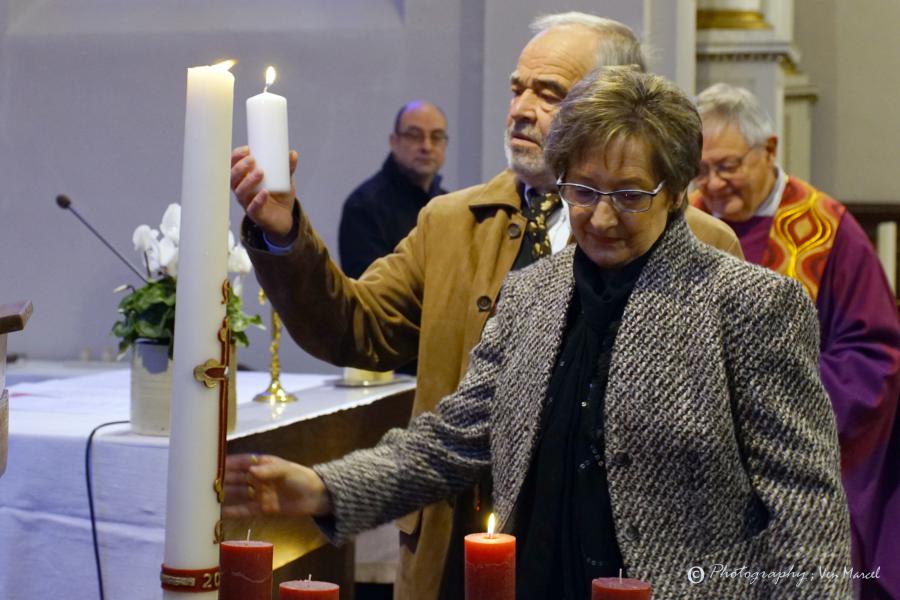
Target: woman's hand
pixel 264 484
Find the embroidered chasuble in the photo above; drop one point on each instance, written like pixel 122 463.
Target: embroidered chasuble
pixel 802 234
pixel 812 238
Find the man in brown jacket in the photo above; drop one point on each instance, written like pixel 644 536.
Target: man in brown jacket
pixel 432 296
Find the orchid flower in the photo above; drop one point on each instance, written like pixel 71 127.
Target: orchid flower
pixel 239 261
pixel 143 238
pixel 171 222
pixel 145 241
pixel 147 312
pixel 237 285
pixel 168 256
pixel 160 248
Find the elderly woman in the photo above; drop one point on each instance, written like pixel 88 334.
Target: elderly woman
pixel 643 401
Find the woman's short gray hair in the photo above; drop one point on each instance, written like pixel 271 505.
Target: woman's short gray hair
pixel 721 105
pixel 618 45
pixel 617 103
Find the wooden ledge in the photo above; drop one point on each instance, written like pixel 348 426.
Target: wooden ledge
pixel 13 317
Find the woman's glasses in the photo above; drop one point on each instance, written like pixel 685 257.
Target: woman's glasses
pixel 629 201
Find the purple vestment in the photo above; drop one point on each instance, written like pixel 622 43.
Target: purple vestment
pixel 860 367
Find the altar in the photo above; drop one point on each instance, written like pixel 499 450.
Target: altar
pixel 46 547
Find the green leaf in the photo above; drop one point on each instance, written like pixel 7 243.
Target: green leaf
pixel 240 338
pixel 149 312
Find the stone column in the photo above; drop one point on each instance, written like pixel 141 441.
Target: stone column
pixel 749 43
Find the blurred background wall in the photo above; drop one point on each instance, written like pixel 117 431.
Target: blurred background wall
pixel 92 105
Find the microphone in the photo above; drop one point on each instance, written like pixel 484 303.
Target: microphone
pixel 65 203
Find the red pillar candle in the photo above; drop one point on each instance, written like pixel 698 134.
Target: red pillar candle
pixel 490 565
pixel 305 589
pixel 246 568
pixel 617 588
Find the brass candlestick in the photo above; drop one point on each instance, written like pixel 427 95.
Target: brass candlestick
pixel 274 394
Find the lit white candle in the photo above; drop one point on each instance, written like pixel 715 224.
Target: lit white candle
pixel 192 507
pixel 267 136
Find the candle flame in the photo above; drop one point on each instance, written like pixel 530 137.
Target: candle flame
pixel 225 65
pixel 270 76
pixel 491 525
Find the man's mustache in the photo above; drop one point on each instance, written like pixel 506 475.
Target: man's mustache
pixel 527 131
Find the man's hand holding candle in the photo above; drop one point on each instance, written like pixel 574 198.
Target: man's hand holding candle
pixel 271 211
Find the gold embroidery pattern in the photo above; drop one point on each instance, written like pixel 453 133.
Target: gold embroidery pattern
pixel 802 235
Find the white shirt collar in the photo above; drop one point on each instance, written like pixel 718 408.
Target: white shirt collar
pixel 771 204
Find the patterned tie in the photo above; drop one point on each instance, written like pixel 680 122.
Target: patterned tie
pixel 535 242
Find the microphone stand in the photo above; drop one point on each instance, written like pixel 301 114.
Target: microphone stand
pixel 65 203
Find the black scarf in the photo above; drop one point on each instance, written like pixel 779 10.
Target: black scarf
pixel 564 525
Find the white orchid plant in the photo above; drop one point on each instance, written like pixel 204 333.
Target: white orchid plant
pixel 148 312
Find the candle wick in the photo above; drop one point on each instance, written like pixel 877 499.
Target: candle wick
pixel 309 577
pixel 265 88
pixel 248 535
pixel 620 575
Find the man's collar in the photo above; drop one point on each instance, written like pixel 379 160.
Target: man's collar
pixel 502 190
pixel 532 194
pixel 771 203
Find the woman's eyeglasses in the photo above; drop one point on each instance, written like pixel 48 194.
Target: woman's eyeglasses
pixel 628 201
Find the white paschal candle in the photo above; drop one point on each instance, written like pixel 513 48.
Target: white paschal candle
pixel 192 508
pixel 267 136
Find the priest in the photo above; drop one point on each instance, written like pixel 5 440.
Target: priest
pixel 787 225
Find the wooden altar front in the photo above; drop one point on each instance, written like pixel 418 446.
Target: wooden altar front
pixel 13 317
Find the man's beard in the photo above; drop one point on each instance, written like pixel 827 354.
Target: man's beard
pixel 527 163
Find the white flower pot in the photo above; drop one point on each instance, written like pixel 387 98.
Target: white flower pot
pixel 151 388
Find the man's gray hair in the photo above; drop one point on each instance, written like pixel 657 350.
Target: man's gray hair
pixel 618 44
pixel 721 105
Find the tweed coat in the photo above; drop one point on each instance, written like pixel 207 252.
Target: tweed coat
pixel 721 444
pixel 431 297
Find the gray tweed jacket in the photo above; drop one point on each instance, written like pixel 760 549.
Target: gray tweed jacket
pixel 721 445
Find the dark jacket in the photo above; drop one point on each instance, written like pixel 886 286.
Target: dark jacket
pixel 378 214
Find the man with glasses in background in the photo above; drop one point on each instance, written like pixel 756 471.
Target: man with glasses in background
pixel 383 209
pixel 785 224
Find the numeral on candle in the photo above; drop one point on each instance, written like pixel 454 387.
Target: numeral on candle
pixel 211 580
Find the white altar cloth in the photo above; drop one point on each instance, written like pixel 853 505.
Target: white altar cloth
pixel 45 537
